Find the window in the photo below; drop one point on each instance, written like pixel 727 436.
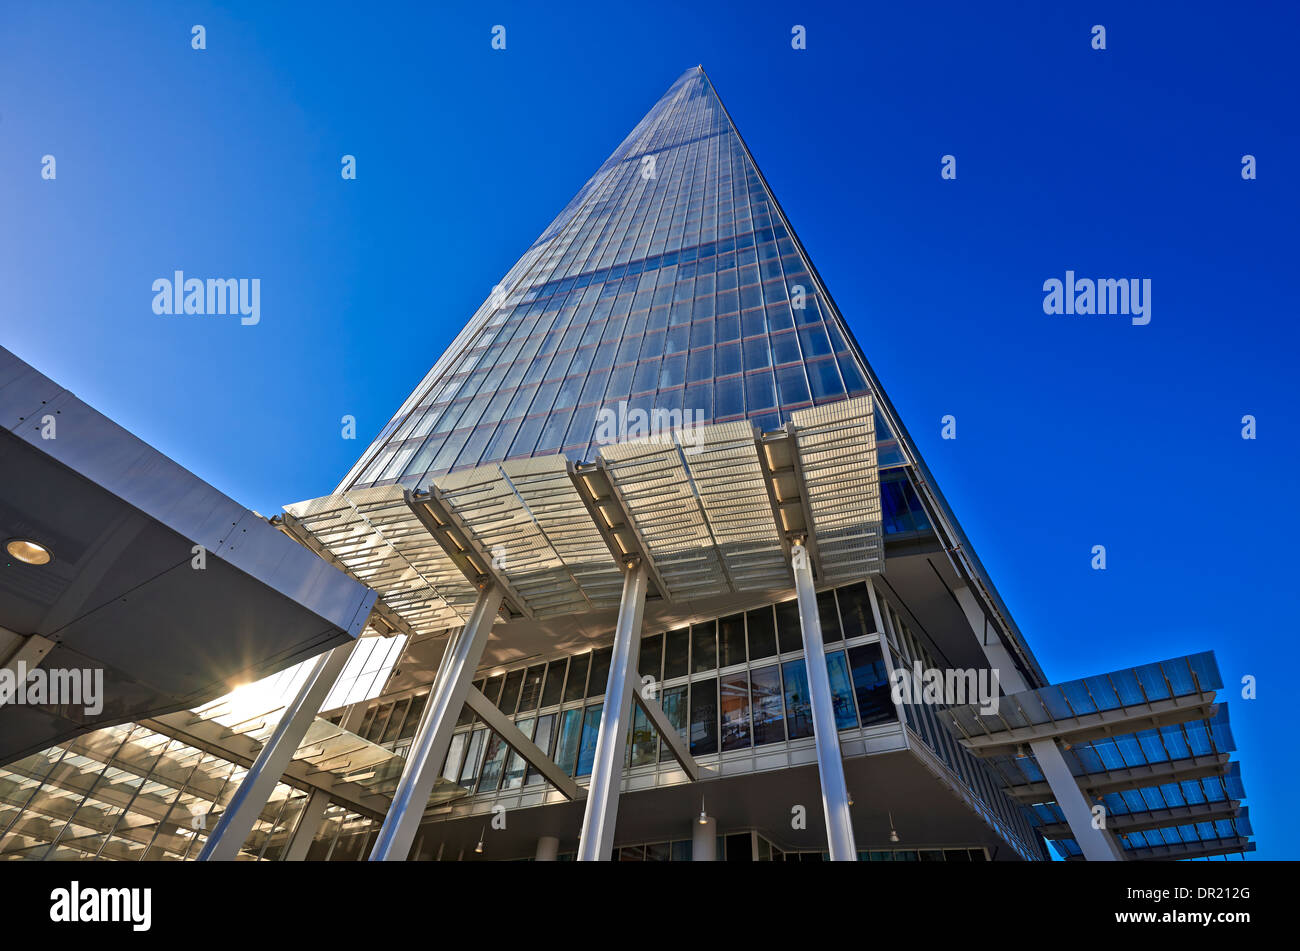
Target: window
pixel 798 710
pixel 731 640
pixel 704 648
pixel 762 633
pixel 554 682
pixel 871 684
pixel 566 750
pixel 769 714
pixel 677 647
pixel 734 691
pixel 704 717
pixel 590 733
pixel 674 703
pixel 789 635
pixel 575 688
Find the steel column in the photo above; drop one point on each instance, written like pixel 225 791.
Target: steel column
pixel 601 815
pixel 309 823
pixel 830 765
pixel 1098 845
pixel 433 736
pixel 237 820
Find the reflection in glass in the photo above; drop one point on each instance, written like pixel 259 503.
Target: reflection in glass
pixel 566 749
pixel 798 709
pixel 704 648
pixel 590 733
pixel 846 718
pixel 673 700
pixel 769 711
pixel 542 737
pixel 789 635
pixel 575 688
pixel 677 646
pixel 554 689
pixel 734 691
pixel 731 640
pixel 871 684
pixel 704 717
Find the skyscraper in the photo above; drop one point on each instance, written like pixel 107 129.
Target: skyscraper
pixel 669 580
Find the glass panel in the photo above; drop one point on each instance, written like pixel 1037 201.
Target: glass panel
pixel 677 646
pixel 829 617
pixel 855 609
pixel 542 737
pixel 871 684
pixel 575 688
pixel 590 733
pixel 734 691
pixel 789 636
pixel 510 692
pixel 798 709
pixel 762 633
pixel 704 717
pixel 531 691
pixel 554 689
pixel 731 640
pixel 769 714
pixel 566 750
pixel 704 648
pixel 841 691
pixel 469 771
pixel 649 661
pixel 644 738
pixel 451 766
pixel 674 703
pixel 493 760
pixel 598 681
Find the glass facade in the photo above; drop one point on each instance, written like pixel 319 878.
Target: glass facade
pixel 670 283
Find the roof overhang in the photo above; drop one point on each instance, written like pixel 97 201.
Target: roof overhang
pixel 123 592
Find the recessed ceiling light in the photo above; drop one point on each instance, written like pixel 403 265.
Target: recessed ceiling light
pixel 28 551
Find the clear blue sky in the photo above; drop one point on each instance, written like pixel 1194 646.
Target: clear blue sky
pixel 1072 431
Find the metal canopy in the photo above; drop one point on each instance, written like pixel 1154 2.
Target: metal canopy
pixel 385 545
pixel 710 510
pixel 172 589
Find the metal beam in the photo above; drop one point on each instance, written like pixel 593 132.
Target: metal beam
pixel 433 736
pixel 1098 845
pixel 667 732
pixel 1131 777
pixel 1157 818
pixel 237 820
pixel 505 727
pixel 830 763
pixel 1120 721
pixel 621 535
pixel 450 531
pixel 309 823
pixel 601 815
pixel 213 738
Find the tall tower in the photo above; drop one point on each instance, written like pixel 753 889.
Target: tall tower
pixel 672 281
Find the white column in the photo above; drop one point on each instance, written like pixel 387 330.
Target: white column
pixel 548 847
pixel 597 842
pixel 830 765
pixel 433 736
pixel 704 840
pixel 313 813
pixel 1098 845
pixel 250 799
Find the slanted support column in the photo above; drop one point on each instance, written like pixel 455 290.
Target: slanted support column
pixel 830 765
pixel 433 736
pixel 237 821
pixel 597 842
pixel 1098 845
pixel 308 825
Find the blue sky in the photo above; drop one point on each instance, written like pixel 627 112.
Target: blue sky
pixel 1072 431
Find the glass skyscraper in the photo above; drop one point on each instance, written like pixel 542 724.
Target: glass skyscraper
pixel 671 281
pixel 500 677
